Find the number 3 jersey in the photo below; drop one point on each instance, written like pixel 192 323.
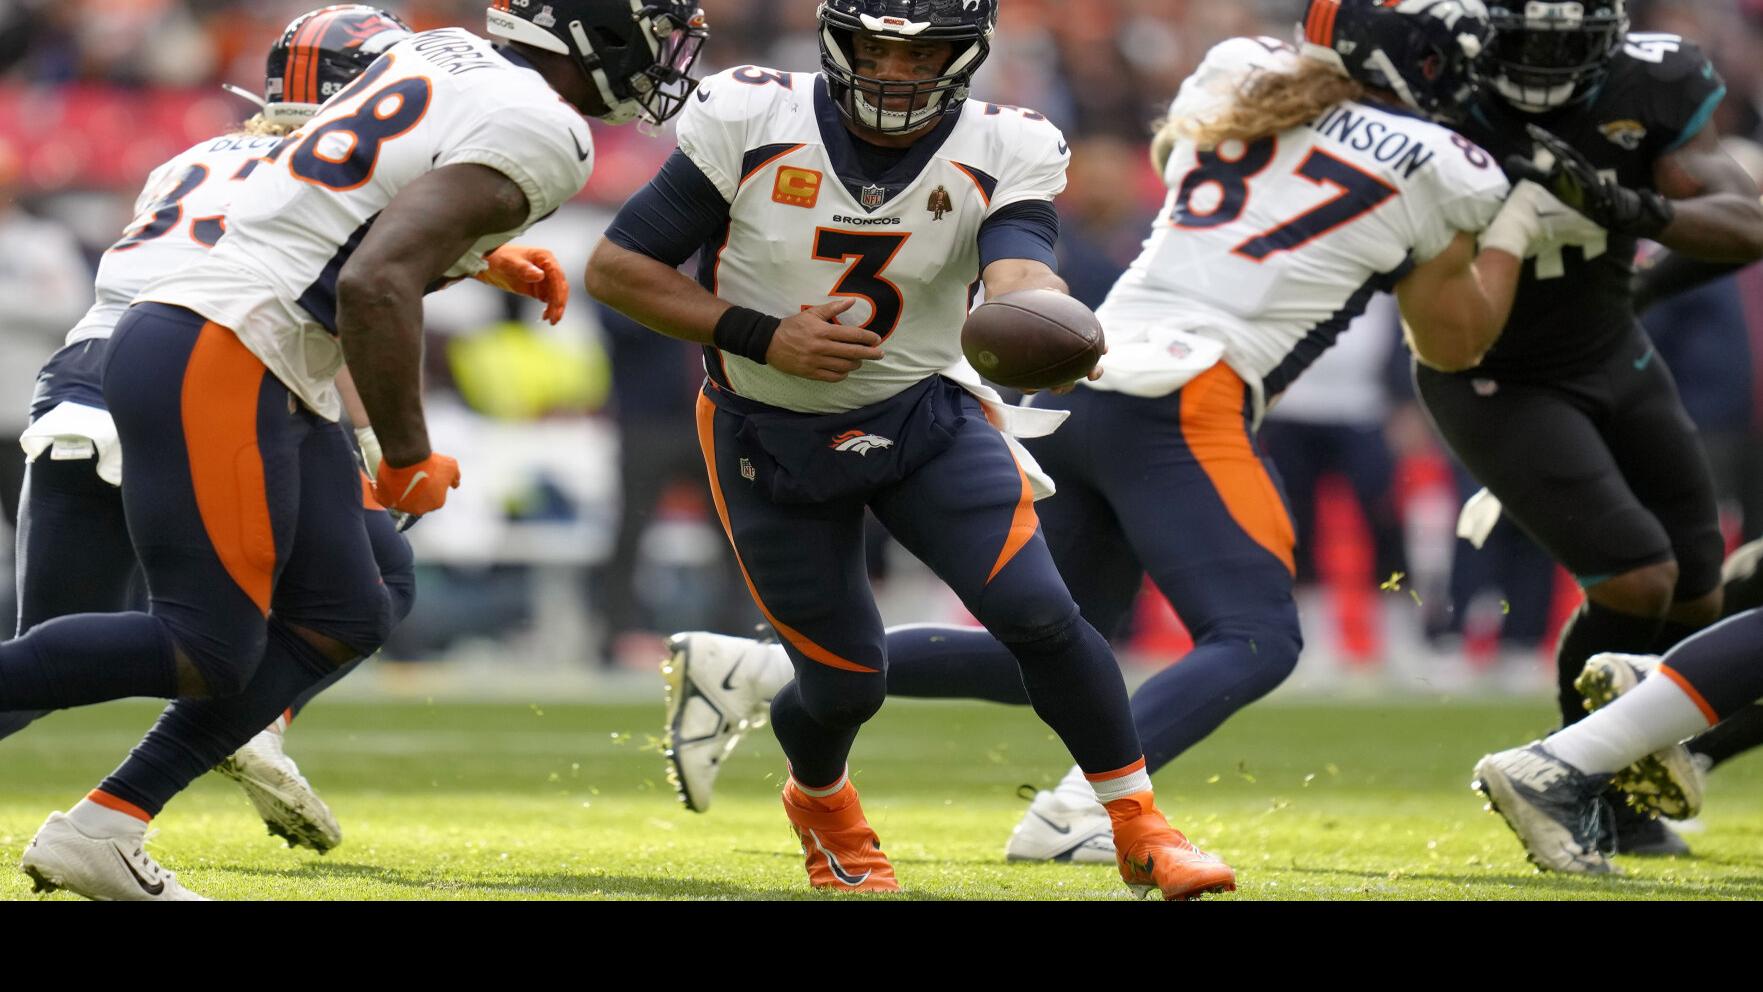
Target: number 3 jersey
pixel 1273 246
pixel 439 98
pixel 807 224
pixel 1573 303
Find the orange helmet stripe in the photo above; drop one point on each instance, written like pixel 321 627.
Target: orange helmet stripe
pixel 302 82
pixel 1319 28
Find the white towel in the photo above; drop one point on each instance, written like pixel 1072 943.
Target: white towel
pixel 72 432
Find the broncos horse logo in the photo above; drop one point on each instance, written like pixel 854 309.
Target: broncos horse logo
pixel 860 442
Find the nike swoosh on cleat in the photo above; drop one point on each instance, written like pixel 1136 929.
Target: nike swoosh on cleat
pixel 1641 363
pixel 838 870
pixel 156 888
pixel 578 147
pixel 1054 826
pixel 726 679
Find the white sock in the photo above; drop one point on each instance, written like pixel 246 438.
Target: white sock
pixel 1074 789
pixel 94 820
pixel 1129 781
pixel 1653 715
pixel 775 671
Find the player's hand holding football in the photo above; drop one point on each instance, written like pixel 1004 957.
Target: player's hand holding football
pixel 530 272
pixel 417 489
pixel 814 345
pixel 1574 180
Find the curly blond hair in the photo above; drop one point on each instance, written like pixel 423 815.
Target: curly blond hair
pixel 1266 103
pixel 258 127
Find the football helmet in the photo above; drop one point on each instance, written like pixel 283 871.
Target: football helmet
pixel 319 53
pixel 638 53
pixel 1548 55
pixel 968 24
pixel 1424 51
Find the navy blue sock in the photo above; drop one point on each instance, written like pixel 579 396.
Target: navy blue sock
pixel 1591 630
pixel 817 752
pixel 1187 701
pixel 194 735
pixel 1076 688
pixel 15 721
pixel 1732 736
pixel 1722 663
pixel 333 678
pixel 936 662
pixel 85 659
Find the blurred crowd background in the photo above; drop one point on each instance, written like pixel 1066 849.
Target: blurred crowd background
pixel 583 532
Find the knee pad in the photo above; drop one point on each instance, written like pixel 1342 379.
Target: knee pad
pixel 227 665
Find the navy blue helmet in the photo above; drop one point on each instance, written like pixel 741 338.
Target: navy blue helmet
pixel 319 53
pixel 638 53
pixel 864 100
pixel 1424 51
pixel 1548 55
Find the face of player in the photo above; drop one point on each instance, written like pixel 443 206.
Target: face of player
pixel 899 61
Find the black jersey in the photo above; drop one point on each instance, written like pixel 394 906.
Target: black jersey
pixel 1573 304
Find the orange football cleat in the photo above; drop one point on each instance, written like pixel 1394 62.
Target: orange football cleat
pixel 1154 855
pixel 841 852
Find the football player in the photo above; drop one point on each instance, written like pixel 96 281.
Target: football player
pixel 1301 183
pixel 74 550
pixel 1571 419
pixel 845 217
pixel 242 495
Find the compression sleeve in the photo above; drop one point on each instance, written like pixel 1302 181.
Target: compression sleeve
pixel 677 213
pixel 1028 229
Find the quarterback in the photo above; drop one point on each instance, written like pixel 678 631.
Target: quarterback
pixel 844 219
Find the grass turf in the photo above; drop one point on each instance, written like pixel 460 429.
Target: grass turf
pixel 446 801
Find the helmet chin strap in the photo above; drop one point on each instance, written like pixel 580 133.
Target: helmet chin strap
pixel 617 111
pixel 1380 60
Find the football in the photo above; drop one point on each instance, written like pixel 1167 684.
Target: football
pixel 1033 339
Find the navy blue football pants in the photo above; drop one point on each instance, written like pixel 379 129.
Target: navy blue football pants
pixel 967 512
pixel 1175 487
pixel 248 521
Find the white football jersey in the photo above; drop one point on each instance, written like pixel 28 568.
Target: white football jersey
pixel 1273 246
pixel 179 216
pixel 438 98
pixel 807 225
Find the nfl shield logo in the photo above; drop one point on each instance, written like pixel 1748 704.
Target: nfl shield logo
pixel 873 196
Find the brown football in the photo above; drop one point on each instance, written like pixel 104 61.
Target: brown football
pixel 1033 339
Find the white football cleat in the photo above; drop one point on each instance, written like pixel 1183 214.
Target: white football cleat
pixel 1555 809
pixel 280 794
pixel 714 696
pixel 108 869
pixel 1665 783
pixel 1056 829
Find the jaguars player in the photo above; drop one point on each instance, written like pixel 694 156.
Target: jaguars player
pixel 845 217
pixel 1301 181
pixel 242 494
pixel 1571 420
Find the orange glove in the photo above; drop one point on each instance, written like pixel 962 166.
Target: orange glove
pixel 530 272
pixel 417 489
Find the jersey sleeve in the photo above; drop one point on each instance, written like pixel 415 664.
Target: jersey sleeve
pixel 1466 191
pixel 1033 158
pixel 1230 64
pixel 547 151
pixel 1683 89
pixel 712 129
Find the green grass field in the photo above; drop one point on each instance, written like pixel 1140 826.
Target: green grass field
pixel 448 801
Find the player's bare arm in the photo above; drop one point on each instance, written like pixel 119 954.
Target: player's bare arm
pixel 811 344
pixel 1717 215
pixel 422 233
pixel 1456 304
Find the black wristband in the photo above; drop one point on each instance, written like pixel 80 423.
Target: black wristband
pixel 746 332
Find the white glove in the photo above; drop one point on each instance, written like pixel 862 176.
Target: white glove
pixel 370 450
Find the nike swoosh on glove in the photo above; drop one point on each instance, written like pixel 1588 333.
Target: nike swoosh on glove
pixel 417 489
pixel 530 272
pixel 1575 181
